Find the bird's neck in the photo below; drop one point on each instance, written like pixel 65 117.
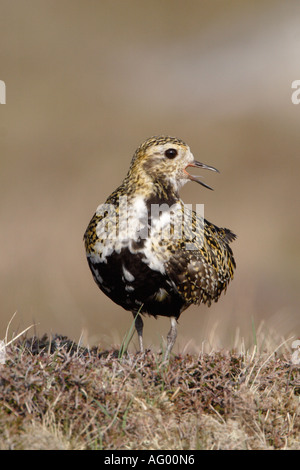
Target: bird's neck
pixel 149 189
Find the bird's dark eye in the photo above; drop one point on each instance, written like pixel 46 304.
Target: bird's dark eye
pixel 171 153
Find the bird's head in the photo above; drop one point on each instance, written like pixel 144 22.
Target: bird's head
pixel 165 160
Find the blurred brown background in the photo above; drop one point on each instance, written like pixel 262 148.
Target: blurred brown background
pixel 86 82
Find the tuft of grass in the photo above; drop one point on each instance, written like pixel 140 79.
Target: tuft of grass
pixel 254 332
pixel 127 338
pixel 55 394
pixel 6 342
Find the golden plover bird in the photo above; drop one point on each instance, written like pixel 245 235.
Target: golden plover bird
pixel 147 250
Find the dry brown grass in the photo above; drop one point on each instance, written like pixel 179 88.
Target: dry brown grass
pixel 58 395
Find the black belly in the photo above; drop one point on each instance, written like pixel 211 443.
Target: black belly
pixel 138 294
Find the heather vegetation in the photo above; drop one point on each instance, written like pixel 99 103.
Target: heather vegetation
pixel 55 394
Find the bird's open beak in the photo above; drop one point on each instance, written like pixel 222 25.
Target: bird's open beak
pixel 197 178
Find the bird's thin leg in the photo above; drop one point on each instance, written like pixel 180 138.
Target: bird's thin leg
pixel 171 338
pixel 139 324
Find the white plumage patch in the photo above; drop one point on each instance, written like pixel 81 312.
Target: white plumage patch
pixel 161 294
pixel 127 275
pixel 150 257
pixel 129 288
